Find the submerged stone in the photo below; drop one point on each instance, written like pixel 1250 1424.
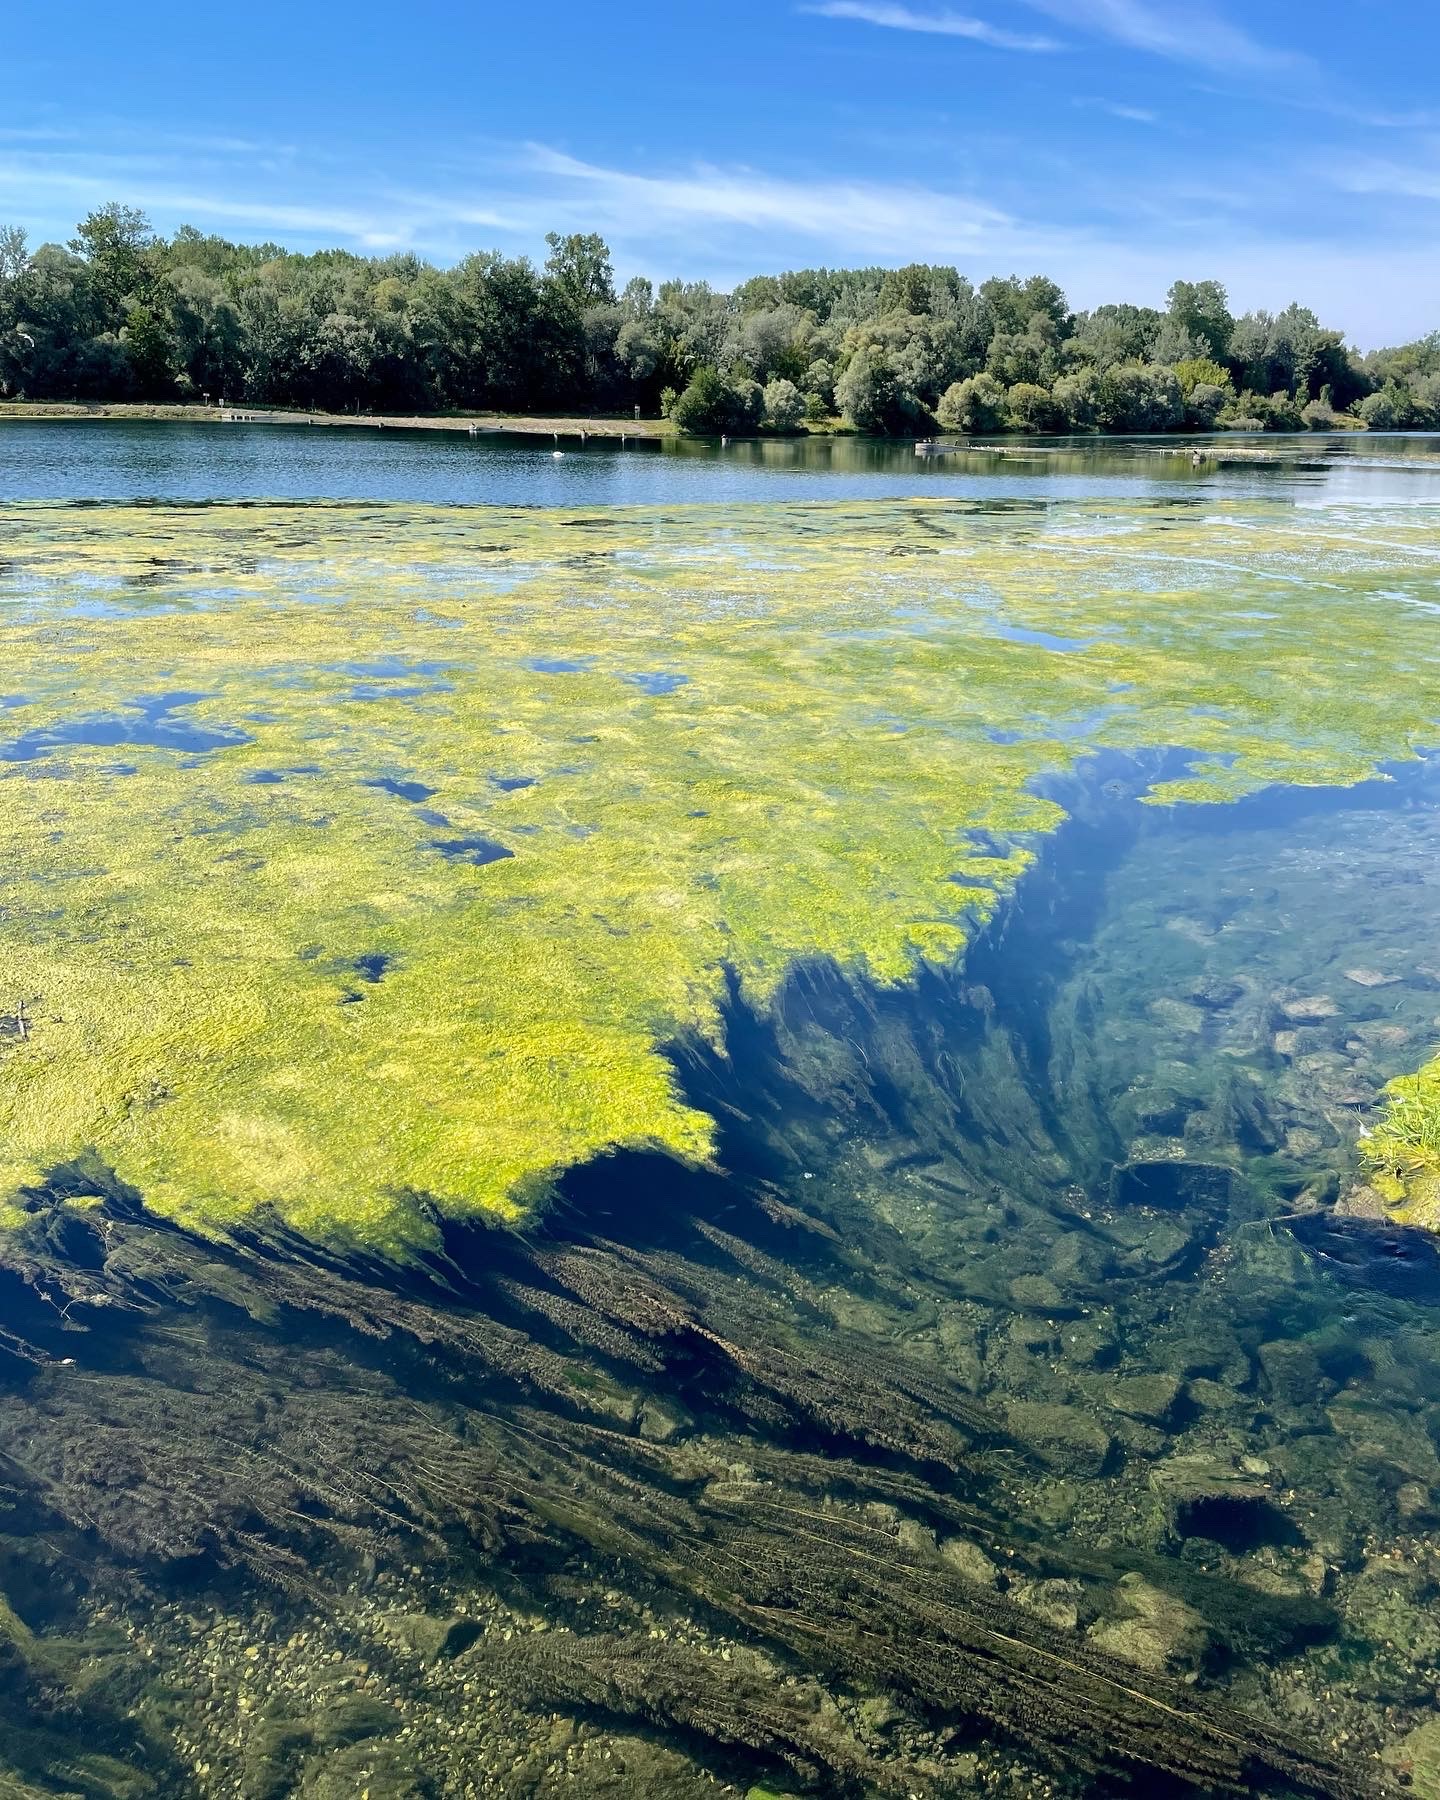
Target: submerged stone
pixel 1056 1601
pixel 1153 1629
pixel 1037 1293
pixel 1065 1438
pixel 1416 1760
pixel 1293 1373
pixel 1149 1397
pixel 433 1639
pixel 970 1562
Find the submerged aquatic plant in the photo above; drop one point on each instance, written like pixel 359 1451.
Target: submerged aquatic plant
pixel 363 861
pixel 1403 1149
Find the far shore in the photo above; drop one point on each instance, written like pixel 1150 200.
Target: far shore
pixel 528 423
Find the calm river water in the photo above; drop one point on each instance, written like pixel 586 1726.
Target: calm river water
pixel 140 459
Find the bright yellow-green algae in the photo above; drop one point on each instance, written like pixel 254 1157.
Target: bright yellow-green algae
pixel 864 687
pixel 1403 1149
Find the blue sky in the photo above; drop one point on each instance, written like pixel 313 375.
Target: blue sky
pixel 1292 150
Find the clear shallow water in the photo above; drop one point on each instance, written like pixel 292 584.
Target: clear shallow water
pixel 145 459
pixel 1014 1323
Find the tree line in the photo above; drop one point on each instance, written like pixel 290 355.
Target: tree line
pixel 122 313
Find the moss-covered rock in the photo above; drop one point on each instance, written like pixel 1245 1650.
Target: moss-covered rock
pixel 1416 1760
pixel 1152 1398
pixel 1063 1437
pixel 1152 1628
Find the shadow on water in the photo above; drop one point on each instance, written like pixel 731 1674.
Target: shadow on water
pixel 1020 1401
pixel 834 1054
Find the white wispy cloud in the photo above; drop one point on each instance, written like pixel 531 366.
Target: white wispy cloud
pixel 1118 109
pixel 27 185
pixel 1417 179
pixel 36 134
pixel 1189 35
pixel 878 218
pixel 722 223
pixel 938 24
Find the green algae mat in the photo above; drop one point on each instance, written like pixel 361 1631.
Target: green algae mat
pixel 363 862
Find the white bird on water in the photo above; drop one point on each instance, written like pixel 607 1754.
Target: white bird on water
pixel 556 454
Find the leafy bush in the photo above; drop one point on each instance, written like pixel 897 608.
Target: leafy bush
pixel 976 404
pixel 1279 411
pixel 873 397
pixel 1204 404
pixel 712 406
pixel 1202 371
pixel 1137 397
pixel 784 406
pixel 1030 407
pixel 1389 410
pixel 1078 398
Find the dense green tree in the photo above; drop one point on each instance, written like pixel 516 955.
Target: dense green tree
pixel 774 342
pixel 149 351
pixel 1115 334
pixel 810 289
pixel 639 349
pixel 1205 402
pixel 1013 303
pixel 1201 370
pixel 976 404
pixel 1202 311
pixel 50 322
pixel 14 252
pixel 1407 363
pixel 579 266
pixel 113 241
pixel 1134 397
pixel 1387 410
pixel 206 333
pixel 1031 356
pixel 711 406
pixel 1078 397
pixel 872 395
pixel 1030 407
pixel 1280 411
pixel 866 391
pixel 123 312
pixel 784 405
pixel 923 288
pixel 638 298
pixel 1290 350
pixel 819 379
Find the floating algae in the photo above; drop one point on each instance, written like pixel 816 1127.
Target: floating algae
pixel 845 773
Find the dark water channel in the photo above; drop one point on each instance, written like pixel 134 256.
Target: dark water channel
pixel 1035 1405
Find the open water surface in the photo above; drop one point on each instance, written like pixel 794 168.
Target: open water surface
pixel 64 459
pixel 1039 1404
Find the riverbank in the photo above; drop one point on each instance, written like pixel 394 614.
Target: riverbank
pixel 528 424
